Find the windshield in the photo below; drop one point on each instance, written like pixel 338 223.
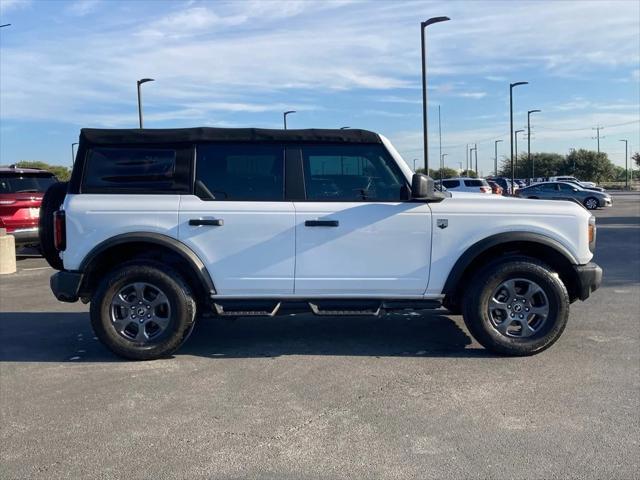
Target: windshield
pixel 25 183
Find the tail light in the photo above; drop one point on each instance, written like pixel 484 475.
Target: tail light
pixel 59 230
pixel 592 233
pixel 485 189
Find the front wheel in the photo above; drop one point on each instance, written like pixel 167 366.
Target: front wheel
pixel 143 311
pixel 516 306
pixel 591 203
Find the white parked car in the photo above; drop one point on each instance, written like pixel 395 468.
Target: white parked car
pixel 159 227
pixel 572 179
pixel 467 184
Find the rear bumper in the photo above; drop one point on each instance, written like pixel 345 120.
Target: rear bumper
pixel 66 285
pixel 589 279
pixel 25 235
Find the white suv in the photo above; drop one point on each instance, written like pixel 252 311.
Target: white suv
pixel 467 184
pixel 157 226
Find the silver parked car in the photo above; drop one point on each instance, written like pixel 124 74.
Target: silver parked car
pixel 566 191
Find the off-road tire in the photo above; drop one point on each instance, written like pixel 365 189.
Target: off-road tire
pixel 51 202
pixel 486 281
pixel 180 298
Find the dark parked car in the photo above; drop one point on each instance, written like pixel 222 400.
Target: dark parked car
pixel 505 183
pixel 21 191
pixel 566 191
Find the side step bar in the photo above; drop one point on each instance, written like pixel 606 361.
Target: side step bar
pixel 336 313
pixel 220 311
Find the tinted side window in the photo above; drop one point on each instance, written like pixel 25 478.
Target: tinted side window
pixel 548 187
pixel 134 170
pixel 451 183
pixel 565 187
pixel 352 173
pixel 240 172
pixel 475 183
pixel 25 183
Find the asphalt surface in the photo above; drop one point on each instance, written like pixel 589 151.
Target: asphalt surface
pixel 406 396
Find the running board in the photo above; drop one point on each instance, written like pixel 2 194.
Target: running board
pixel 220 311
pixel 317 310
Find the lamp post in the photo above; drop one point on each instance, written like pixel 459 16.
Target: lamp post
pixel 5 25
pixel 414 165
pixel 626 164
pixel 284 117
pixel 529 141
pixel 511 85
pixel 516 164
pixel 423 26
pixel 495 159
pixel 442 155
pixel 73 153
pixel 473 149
pixel 440 141
pixel 140 82
pixel 475 153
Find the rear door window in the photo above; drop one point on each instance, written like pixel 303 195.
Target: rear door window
pixel 134 170
pixel 240 172
pixel 451 183
pixel 475 183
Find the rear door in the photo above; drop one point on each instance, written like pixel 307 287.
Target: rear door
pixel 238 221
pixel 356 234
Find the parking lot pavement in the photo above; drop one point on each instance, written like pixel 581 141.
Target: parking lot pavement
pixel 406 396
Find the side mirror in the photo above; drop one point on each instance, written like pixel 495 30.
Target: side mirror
pixel 423 188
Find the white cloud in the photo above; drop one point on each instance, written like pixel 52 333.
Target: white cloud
pixel 8 5
pixel 81 8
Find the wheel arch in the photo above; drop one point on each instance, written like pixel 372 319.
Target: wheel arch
pixel 530 244
pixel 150 246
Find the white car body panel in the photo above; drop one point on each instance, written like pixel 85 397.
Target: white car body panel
pixel 473 219
pixel 252 254
pixel 378 249
pixel 93 218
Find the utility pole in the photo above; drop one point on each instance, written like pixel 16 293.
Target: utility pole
pixel 471 159
pixel 598 137
pixel 414 165
pixel 423 26
pixel 467 157
pixel 529 141
pixel 495 159
pixel 511 86
pixel 626 164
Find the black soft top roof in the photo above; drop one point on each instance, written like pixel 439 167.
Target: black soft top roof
pixel 95 136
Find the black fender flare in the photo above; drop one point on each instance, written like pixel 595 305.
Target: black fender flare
pixel 171 243
pixel 475 250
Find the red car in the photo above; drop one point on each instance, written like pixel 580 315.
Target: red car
pixel 495 188
pixel 21 191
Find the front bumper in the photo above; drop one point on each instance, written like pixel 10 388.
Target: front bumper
pixel 66 285
pixel 589 279
pixel 607 202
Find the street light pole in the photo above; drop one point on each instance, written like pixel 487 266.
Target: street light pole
pixel 495 160
pixel 511 85
pixel 284 117
pixel 475 152
pixel 439 142
pixel 423 26
pixel 5 25
pixel 626 164
pixel 529 141
pixel 414 165
pixel 140 82
pixel 516 139
pixel 442 155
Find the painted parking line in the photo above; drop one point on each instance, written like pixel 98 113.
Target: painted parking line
pixel 34 268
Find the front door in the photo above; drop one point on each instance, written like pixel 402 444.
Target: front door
pixel 356 235
pixel 238 221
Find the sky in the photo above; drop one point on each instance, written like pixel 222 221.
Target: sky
pixel 65 65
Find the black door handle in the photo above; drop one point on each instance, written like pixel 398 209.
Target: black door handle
pixel 211 222
pixel 321 223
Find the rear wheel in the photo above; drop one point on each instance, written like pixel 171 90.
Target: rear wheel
pixel 143 311
pixel 591 203
pixel 51 202
pixel 516 306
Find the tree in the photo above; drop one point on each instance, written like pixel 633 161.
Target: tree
pixel 469 173
pixel 589 166
pixel 63 173
pixel 636 158
pixel 446 173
